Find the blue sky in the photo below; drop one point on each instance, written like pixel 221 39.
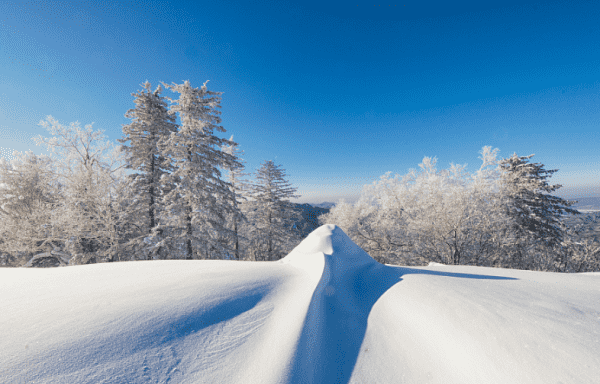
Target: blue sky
pixel 337 93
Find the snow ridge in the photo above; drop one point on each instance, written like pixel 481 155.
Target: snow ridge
pixel 336 320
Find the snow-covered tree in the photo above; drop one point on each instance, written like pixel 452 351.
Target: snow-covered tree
pixel 579 253
pixel 536 216
pixel 377 221
pixel 89 171
pixel 438 214
pixel 114 211
pixel 240 188
pixel 490 224
pixel 272 214
pixel 444 216
pixel 151 122
pixel 29 196
pixel 200 200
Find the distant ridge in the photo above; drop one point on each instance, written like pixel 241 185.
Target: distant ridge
pixel 324 205
pixel 586 203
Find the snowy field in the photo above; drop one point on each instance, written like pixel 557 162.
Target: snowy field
pixel 326 313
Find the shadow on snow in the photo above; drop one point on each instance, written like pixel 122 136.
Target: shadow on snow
pixel 336 321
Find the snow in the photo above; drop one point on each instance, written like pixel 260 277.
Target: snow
pixel 326 313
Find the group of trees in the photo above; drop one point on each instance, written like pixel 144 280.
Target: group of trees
pixel 500 217
pixel 164 196
pixel 161 196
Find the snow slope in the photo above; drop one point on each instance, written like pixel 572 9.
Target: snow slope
pixel 326 313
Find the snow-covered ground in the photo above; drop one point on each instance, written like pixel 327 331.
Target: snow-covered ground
pixel 327 313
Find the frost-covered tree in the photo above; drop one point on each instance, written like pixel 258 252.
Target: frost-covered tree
pixel 29 197
pixel 377 221
pixel 443 216
pixel 272 214
pixel 583 245
pixel 490 225
pixel 151 122
pixel 497 217
pixel 536 215
pixel 197 206
pixel 88 169
pixel 440 214
pixel 240 188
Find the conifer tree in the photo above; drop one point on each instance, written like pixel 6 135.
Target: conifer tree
pixel 200 200
pixel 151 122
pixel 240 188
pixel 536 216
pixel 274 215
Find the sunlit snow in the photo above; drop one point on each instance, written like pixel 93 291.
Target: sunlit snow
pixel 326 313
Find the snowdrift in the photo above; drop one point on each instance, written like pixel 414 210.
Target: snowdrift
pixel 326 313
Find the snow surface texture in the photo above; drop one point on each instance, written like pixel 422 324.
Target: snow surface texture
pixel 326 313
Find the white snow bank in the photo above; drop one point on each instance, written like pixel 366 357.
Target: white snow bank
pixel 326 313
pixel 434 264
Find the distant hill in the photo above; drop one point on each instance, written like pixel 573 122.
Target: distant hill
pixel 586 203
pixel 310 217
pixel 324 205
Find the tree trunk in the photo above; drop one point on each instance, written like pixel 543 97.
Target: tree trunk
pixel 151 192
pixel 189 216
pixel 456 251
pixel 188 219
pixel 270 243
pixel 237 243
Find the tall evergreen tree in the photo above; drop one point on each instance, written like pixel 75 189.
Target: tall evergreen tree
pixel 274 215
pixel 536 215
pixel 151 122
pixel 200 199
pixel 240 188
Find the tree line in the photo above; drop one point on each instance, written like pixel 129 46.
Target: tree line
pixel 161 194
pixel 501 216
pixel 177 191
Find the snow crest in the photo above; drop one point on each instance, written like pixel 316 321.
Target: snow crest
pixel 336 319
pixel 330 240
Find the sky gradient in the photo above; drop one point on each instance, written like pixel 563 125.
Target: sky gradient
pixel 337 93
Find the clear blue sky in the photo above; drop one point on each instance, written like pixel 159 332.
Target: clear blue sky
pixel 337 93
